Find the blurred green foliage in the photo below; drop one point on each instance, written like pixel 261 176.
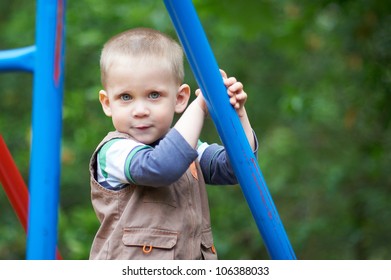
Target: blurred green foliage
pixel 318 76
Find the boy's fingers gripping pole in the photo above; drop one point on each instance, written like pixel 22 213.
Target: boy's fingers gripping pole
pixel 245 165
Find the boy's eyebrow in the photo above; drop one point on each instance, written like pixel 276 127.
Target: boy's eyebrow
pixel 158 88
pixel 117 91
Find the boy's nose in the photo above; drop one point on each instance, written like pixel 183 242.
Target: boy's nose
pixel 140 110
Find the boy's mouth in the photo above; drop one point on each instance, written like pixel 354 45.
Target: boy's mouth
pixel 142 127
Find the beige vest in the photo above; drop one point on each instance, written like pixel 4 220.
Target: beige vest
pixel 141 222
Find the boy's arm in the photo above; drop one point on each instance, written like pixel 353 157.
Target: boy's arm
pixel 191 122
pixel 248 129
pixel 215 164
pixel 214 161
pixel 237 98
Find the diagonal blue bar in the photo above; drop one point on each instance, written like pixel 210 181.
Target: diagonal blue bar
pixel 206 72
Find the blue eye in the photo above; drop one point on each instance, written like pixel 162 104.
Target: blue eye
pixel 154 95
pixel 126 97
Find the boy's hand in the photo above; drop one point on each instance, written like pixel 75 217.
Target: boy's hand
pixel 237 96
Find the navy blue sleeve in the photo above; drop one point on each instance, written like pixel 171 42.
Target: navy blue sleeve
pixel 216 167
pixel 163 164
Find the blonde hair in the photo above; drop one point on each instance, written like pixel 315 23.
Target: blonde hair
pixel 142 42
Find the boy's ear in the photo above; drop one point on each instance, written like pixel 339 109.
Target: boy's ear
pixel 104 100
pixel 182 98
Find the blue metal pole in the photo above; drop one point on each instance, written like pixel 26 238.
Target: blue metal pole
pixel 245 165
pixel 46 127
pixel 21 59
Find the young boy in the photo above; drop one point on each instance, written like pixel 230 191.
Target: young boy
pixel 148 179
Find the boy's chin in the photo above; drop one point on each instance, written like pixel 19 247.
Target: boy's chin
pixel 146 139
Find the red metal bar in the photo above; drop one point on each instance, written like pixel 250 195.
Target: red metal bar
pixel 14 186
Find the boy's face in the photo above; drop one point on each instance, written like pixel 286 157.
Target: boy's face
pixel 142 97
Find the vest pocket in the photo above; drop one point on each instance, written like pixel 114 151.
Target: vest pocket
pixel 207 248
pixel 148 244
pixel 164 195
